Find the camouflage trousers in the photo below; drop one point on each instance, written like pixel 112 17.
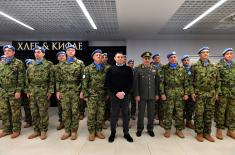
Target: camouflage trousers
pixel 159 110
pixel 189 107
pixel 107 113
pixel 70 110
pixel 82 107
pixel 27 112
pixel 59 110
pixel 10 110
pixel 169 105
pixel 204 112
pixel 39 111
pixel 96 109
pixel 225 113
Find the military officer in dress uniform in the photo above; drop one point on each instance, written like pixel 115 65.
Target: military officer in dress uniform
pixel 146 93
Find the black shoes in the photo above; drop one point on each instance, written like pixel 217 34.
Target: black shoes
pixel 128 137
pixel 151 133
pixel 111 137
pixel 138 133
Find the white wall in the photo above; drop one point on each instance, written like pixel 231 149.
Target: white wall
pixel 181 47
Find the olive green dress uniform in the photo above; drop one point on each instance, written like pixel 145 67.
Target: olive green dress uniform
pixel 146 82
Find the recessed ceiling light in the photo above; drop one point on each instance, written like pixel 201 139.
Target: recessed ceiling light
pixel 15 20
pixel 86 13
pixel 205 14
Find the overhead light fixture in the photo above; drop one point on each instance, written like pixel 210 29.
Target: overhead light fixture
pixel 15 20
pixel 205 13
pixel 86 13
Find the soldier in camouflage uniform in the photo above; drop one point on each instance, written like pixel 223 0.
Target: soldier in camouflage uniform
pixel 68 88
pixel 225 112
pixel 61 57
pixel 25 101
pixel 159 105
pixel 40 86
pixel 132 112
pixel 95 94
pixel 108 101
pixel 173 89
pixel 204 93
pixel 146 82
pixel 11 84
pixel 1 59
pixel 188 104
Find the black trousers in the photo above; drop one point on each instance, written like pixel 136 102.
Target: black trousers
pixel 116 106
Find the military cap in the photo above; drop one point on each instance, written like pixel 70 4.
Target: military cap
pixel 146 54
pixel 39 48
pixel 203 49
pixel 170 54
pixel 157 54
pixel 8 46
pixel 60 52
pixel 70 46
pixel 131 60
pixel 96 51
pixel 184 57
pixel 226 50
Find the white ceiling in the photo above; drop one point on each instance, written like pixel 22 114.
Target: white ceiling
pixel 116 20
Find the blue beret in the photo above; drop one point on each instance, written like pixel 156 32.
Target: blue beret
pixel 8 46
pixel 105 54
pixel 131 60
pixel 39 48
pixel 157 54
pixel 226 50
pixel 3 56
pixel 70 46
pixel 96 51
pixel 60 52
pixel 170 54
pixel 29 61
pixel 203 49
pixel 184 57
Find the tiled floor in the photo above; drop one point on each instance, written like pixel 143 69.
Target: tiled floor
pixel 144 145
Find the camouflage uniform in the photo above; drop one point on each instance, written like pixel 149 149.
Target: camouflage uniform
pixel 107 102
pixel 11 81
pixel 159 105
pixel 56 70
pixel 174 84
pixel 94 90
pixel 205 86
pixel 40 82
pixel 68 84
pixel 189 104
pixel 225 114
